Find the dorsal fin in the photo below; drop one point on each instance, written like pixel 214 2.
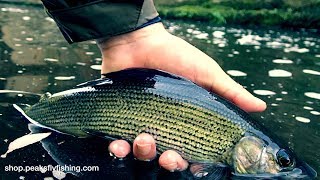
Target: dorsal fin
pixel 137 73
pixel 45 96
pixel 95 82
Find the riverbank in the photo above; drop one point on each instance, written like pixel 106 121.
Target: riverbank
pixel 239 13
pixel 283 13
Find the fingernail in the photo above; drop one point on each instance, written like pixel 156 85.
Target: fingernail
pixel 144 149
pixel 119 151
pixel 171 167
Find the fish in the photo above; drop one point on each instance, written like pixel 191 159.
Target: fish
pixel 201 126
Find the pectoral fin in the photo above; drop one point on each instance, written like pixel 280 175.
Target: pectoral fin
pixel 209 171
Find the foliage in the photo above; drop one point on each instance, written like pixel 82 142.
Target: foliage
pixel 248 12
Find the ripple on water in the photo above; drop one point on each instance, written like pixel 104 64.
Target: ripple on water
pixel 81 63
pixel 48 178
pixel 58 174
pixel 218 34
pixel 296 49
pixel 302 119
pixel 26 18
pixel 89 53
pixel 50 59
pixel 264 92
pixel 279 73
pixel 236 52
pixel 277 45
pixel 64 78
pixel 249 40
pixel 202 36
pixel 15 10
pixel 236 73
pixel 308 71
pixel 315 113
pixel 312 95
pixel 282 61
pixel 96 67
pixel 307 108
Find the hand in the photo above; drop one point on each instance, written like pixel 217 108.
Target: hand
pixel 144 148
pixel 153 47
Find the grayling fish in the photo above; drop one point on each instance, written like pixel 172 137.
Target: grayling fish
pixel 201 126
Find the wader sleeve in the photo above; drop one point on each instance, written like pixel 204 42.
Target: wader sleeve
pixel 81 20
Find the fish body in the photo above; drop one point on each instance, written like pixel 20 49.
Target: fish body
pixel 180 115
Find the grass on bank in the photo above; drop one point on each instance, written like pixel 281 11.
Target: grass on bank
pixel 306 17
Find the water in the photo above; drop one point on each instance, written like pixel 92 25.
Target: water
pixel 280 66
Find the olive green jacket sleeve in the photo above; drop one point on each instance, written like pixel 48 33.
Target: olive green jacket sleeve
pixel 81 20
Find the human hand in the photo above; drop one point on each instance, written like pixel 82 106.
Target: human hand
pixel 154 48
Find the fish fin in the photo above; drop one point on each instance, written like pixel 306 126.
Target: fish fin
pixel 138 73
pixel 102 135
pixel 95 82
pixel 21 110
pixel 36 129
pixel 18 108
pixel 45 96
pixel 209 171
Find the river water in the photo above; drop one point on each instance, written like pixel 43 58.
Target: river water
pixel 280 66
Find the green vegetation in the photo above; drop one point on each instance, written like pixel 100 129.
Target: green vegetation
pixel 286 13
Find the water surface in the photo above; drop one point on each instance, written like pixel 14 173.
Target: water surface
pixel 280 66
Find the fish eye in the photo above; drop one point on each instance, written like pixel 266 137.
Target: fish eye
pixel 284 158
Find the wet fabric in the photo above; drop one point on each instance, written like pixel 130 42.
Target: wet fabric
pixel 81 20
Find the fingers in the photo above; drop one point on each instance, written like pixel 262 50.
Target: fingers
pixel 172 161
pixel 120 148
pixel 207 73
pixel 229 89
pixel 204 71
pixel 144 147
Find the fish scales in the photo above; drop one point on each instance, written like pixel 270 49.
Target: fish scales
pixel 179 114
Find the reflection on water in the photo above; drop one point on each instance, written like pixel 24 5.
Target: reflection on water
pixel 313 95
pixel 280 66
pixel 302 119
pixel 283 61
pixel 236 73
pixel 279 73
pixel 264 92
pixel 308 71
